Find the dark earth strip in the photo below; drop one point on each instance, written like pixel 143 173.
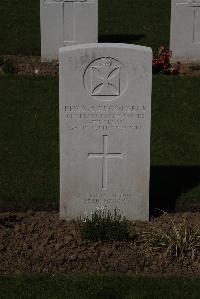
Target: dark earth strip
pixel 38 242
pixel 32 65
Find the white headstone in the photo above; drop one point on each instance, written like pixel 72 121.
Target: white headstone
pixel 185 30
pixel 105 115
pixel 67 22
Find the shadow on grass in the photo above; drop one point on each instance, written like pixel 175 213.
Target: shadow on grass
pixel 59 286
pixel 167 184
pixel 109 289
pixel 120 38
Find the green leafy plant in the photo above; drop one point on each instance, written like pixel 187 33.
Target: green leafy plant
pixel 105 225
pixel 180 241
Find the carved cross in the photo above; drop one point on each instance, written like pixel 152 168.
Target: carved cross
pixel 69 20
pixel 195 5
pixel 105 155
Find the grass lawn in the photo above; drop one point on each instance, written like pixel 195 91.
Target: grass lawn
pixel 29 147
pixel 119 21
pixel 96 287
pixel 29 142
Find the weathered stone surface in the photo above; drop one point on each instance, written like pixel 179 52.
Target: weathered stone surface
pixel 105 113
pixel 185 30
pixel 67 22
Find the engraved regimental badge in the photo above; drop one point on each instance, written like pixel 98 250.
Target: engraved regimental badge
pixel 105 79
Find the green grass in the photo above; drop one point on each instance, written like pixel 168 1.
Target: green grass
pixel 97 287
pixel 175 125
pixel 29 149
pixel 29 142
pixel 119 21
pixel 175 143
pixel 139 22
pixel 20 27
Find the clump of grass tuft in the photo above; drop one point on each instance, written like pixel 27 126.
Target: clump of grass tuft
pixel 105 225
pixel 180 241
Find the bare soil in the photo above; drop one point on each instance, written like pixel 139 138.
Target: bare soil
pixel 38 242
pixel 32 65
pixel 190 69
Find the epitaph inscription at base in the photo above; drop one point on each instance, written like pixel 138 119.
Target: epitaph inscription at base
pixel 105 114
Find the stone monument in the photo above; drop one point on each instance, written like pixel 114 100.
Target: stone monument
pixel 66 22
pixel 185 30
pixel 105 116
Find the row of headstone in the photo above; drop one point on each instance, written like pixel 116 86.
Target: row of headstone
pixel 105 107
pixel 68 22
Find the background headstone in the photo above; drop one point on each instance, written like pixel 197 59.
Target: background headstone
pixel 185 30
pixel 105 111
pixel 67 22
